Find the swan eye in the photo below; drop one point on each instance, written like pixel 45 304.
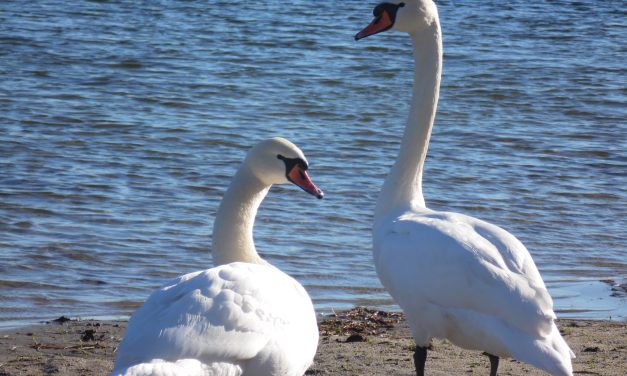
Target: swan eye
pixel 378 10
pixel 290 163
pixel 389 7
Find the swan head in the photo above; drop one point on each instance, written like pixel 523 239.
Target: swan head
pixel 409 16
pixel 278 161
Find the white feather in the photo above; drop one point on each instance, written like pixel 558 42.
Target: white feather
pixel 253 317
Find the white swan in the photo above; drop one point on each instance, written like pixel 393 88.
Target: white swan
pixel 242 317
pixel 454 276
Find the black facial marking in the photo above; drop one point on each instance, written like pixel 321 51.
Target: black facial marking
pixel 291 162
pixel 389 7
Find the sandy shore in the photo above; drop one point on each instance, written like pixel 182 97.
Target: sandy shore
pixel 357 342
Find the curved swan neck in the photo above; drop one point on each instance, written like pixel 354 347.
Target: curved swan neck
pixel 403 185
pixel 233 226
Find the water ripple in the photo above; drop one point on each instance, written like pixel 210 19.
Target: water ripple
pixel 123 123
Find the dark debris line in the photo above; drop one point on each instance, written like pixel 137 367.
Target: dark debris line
pixel 359 322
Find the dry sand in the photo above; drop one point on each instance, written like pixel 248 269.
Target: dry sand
pixel 356 342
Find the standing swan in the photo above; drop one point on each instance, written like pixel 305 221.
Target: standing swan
pixel 454 276
pixel 242 317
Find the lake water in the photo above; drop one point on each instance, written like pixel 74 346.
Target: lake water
pixel 122 122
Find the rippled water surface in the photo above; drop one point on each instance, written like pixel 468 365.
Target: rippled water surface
pixel 121 123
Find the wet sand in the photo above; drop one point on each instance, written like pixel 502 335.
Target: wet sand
pixel 355 342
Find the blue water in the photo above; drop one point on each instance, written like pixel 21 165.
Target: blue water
pixel 121 123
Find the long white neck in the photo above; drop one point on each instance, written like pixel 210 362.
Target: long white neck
pixel 403 185
pixel 233 226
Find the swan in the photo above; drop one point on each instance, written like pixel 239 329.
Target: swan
pixel 241 317
pixel 455 277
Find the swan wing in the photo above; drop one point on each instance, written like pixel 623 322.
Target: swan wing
pixel 245 314
pixel 459 262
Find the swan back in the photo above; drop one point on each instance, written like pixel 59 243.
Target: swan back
pixel 244 316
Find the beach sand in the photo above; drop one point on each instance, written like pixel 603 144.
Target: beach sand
pixel 356 342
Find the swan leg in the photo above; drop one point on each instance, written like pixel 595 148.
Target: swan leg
pixel 420 357
pixel 494 364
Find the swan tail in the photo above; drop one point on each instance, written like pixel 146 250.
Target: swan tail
pixel 188 367
pixel 550 353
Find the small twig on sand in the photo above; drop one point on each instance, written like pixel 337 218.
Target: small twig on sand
pixel 50 346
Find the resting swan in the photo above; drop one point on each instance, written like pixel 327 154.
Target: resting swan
pixel 242 317
pixel 454 276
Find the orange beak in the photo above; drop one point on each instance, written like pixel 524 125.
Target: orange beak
pixel 299 177
pixel 380 23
